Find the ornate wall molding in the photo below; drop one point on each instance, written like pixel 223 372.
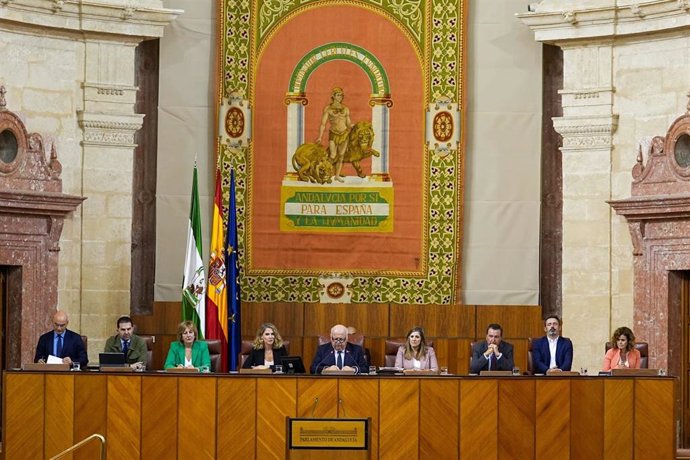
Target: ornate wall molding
pixel 110 130
pixel 586 133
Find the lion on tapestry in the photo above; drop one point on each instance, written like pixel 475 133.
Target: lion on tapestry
pixel 312 163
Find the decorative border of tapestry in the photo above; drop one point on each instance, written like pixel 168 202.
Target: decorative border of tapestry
pixel 343 121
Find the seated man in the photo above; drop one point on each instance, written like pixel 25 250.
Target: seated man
pixel 552 353
pixel 494 354
pixel 125 341
pixel 339 354
pixel 61 342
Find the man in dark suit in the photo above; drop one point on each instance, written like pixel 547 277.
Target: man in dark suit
pixel 62 343
pixel 552 353
pixel 339 354
pixel 494 354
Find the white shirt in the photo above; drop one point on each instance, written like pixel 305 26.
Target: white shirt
pixel 552 351
pixel 416 364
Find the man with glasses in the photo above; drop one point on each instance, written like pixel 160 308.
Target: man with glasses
pixel 339 355
pixel 61 342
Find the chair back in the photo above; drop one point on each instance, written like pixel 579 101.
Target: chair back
pixel 214 349
pixel 150 340
pixel 392 345
pixel 642 347
pixel 85 339
pixel 530 363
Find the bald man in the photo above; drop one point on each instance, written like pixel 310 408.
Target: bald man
pixel 339 354
pixel 62 343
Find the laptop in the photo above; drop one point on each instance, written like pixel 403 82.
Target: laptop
pixel 292 365
pixel 111 359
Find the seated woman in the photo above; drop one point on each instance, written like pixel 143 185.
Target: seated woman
pixel 187 351
pixel 267 348
pixel 415 354
pixel 623 354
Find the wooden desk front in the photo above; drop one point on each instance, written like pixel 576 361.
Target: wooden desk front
pixel 153 416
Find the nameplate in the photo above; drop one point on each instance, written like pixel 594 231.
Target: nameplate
pixel 419 372
pixel 182 370
pixel 495 373
pixel 337 372
pixel 45 367
pixel 116 369
pixel 328 433
pixel 551 373
pixel 256 371
pixel 634 372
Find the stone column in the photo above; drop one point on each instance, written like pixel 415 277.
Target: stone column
pixel 587 126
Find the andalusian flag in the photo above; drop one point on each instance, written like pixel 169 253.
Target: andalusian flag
pixel 194 279
pixel 233 271
pixel 216 297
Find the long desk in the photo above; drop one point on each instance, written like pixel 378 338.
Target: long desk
pixel 166 416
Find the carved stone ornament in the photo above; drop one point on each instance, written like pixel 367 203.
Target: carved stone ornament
pixel 658 215
pixel 32 212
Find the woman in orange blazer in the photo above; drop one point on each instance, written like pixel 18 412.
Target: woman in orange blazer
pixel 623 355
pixel 415 354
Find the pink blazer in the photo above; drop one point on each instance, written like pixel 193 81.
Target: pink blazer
pixel 427 362
pixel 613 356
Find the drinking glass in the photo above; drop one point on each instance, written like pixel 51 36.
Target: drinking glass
pixel 516 371
pixel 279 369
pixel 444 370
pixel 76 366
pixel 372 370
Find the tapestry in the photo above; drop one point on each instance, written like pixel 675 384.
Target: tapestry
pixel 343 121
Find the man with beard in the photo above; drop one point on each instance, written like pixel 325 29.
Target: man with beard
pixel 552 353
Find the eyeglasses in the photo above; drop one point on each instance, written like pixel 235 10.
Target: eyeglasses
pixel 338 339
pixel 60 325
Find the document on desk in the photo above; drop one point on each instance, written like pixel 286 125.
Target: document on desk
pixel 53 360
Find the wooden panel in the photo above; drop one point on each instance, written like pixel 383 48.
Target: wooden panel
pixel 24 411
pixel 655 436
pixel 516 418
pixel 159 417
pixel 553 416
pixel 59 413
pixel 124 417
pixel 399 409
pixel 479 418
pixel 317 398
pixel 236 418
pixel 89 412
pixel 309 346
pixel 587 420
pixel 196 414
pixel 439 416
pixel 287 317
pixel 164 320
pixel 295 347
pixel 437 320
pixel 454 353
pixel 518 321
pixel 377 349
pixel 276 399
pixel 369 319
pixel 520 353
pixel 360 400
pixel 619 405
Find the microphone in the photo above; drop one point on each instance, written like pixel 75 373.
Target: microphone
pixel 347 354
pixel 313 408
pixel 342 404
pixel 325 358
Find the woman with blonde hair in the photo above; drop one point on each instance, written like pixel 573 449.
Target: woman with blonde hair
pixel 415 354
pixel 267 348
pixel 623 354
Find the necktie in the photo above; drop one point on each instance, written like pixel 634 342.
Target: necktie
pixel 125 347
pixel 59 346
pixel 492 362
pixel 340 360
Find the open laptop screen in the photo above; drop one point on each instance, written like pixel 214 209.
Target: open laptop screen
pixel 292 365
pixel 111 359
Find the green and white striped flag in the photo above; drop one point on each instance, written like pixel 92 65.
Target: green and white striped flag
pixel 194 278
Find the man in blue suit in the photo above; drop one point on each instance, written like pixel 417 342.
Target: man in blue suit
pixel 552 353
pixel 62 343
pixel 339 354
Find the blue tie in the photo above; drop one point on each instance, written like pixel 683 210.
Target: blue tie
pixel 492 362
pixel 340 360
pixel 125 347
pixel 59 346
